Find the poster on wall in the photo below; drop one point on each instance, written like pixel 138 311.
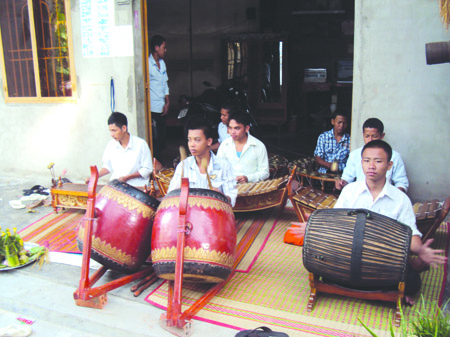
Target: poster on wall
pixel 99 36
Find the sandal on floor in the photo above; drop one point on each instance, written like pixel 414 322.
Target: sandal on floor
pixel 35 189
pixel 15 331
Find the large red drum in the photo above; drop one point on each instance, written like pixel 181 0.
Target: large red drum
pixel 210 241
pixel 122 229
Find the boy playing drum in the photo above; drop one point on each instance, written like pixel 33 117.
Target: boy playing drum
pixel 377 194
pixel 219 170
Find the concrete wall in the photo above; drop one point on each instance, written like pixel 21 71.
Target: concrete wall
pixel 73 136
pixel 393 82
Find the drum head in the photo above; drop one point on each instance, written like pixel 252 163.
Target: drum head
pixel 200 192
pixel 135 193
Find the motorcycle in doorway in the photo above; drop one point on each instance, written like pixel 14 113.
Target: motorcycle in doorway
pixel 209 103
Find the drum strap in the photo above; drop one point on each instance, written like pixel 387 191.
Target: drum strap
pixel 358 242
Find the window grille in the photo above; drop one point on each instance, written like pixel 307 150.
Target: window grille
pixel 35 45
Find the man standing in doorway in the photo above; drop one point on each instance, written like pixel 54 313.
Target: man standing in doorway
pixel 159 91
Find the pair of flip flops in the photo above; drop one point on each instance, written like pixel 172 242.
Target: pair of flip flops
pixel 38 189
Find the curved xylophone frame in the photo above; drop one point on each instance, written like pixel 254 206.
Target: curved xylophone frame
pixel 264 200
pixel 306 199
pixel 244 203
pixel 429 216
pixel 86 295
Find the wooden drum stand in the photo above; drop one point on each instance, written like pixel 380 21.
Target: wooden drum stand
pixel 174 320
pixel 86 295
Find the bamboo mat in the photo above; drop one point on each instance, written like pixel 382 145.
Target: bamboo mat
pixel 275 292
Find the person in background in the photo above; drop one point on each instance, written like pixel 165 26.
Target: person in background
pixel 334 145
pixel 200 137
pixel 126 157
pixel 373 129
pixel 247 155
pixel 159 91
pixel 222 128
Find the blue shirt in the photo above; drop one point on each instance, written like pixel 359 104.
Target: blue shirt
pixel 158 84
pixel 329 149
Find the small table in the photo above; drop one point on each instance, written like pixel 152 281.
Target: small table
pixel 71 196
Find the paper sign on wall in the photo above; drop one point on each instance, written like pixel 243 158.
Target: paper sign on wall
pixel 99 36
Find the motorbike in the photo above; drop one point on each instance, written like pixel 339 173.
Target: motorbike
pixel 209 103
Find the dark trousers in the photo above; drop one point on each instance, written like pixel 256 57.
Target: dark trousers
pixel 159 134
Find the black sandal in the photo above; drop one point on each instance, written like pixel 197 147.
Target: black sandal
pixel 35 189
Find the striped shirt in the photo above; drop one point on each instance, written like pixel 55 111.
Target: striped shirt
pixel 329 149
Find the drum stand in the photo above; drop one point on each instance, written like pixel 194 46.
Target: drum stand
pixel 175 321
pixel 85 295
pixel 317 286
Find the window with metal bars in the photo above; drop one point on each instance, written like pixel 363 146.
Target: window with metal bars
pixel 237 59
pixel 35 45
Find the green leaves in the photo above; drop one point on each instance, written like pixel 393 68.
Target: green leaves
pixel 429 321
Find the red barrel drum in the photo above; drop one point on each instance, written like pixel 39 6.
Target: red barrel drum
pixel 210 241
pixel 122 229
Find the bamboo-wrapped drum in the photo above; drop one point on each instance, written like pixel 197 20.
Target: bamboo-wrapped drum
pixel 122 229
pixel 356 247
pixel 210 240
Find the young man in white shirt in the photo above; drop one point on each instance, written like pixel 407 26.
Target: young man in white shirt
pixel 219 170
pixel 373 129
pixel 126 157
pixel 247 155
pixel 377 194
pixel 159 90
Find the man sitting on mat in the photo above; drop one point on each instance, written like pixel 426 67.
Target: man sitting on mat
pixel 377 194
pixel 247 155
pixel 373 129
pixel 126 157
pixel 333 145
pixel 218 170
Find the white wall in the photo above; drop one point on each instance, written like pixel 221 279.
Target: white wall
pixel 73 136
pixel 393 82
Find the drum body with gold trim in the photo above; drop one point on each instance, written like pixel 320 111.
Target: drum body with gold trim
pixel 210 241
pixel 122 229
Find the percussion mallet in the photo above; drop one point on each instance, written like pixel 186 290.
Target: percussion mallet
pixel 335 169
pixel 183 156
pixel 205 167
